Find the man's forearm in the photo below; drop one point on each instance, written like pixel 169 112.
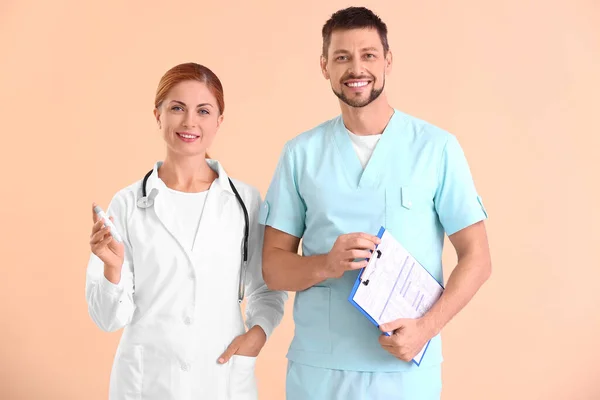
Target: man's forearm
pixel 466 279
pixel 284 270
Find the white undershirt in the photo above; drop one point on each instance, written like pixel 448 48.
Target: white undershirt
pixel 364 145
pixel 187 208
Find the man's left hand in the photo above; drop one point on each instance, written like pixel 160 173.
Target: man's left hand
pixel 249 344
pixel 408 338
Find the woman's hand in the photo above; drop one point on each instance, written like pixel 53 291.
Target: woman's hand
pixel 249 344
pixel 103 245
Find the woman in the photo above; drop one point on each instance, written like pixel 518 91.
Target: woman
pixel 174 283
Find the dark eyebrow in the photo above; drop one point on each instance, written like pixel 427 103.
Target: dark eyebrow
pixel 199 105
pixel 341 51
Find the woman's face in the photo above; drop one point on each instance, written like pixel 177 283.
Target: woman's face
pixel 189 118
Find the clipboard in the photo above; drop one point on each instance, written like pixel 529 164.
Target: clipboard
pixel 368 273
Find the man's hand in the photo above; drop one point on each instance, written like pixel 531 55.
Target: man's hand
pixel 408 338
pixel 249 344
pixel 285 269
pixel 348 248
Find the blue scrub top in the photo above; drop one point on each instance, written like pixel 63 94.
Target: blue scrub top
pixel 417 185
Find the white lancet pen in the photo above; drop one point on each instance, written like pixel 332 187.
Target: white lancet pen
pixel 107 222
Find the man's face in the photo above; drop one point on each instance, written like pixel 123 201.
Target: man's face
pixel 356 66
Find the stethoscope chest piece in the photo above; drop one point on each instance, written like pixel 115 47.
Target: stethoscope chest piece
pixel 145 202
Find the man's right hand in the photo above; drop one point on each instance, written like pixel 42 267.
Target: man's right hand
pixel 349 253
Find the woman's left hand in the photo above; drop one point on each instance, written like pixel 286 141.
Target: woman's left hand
pixel 249 344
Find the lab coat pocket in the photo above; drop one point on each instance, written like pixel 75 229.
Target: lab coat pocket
pixel 242 381
pixel 127 374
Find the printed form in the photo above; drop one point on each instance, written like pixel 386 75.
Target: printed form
pixel 394 285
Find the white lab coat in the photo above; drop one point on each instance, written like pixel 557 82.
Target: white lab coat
pixel 179 308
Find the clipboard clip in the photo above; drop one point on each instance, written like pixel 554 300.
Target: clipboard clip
pixel 366 281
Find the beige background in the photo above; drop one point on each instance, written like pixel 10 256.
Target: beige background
pixel 516 81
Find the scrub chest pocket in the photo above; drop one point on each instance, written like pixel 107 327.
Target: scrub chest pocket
pixel 409 211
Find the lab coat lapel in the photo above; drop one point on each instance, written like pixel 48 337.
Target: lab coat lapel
pixel 166 214
pixel 208 231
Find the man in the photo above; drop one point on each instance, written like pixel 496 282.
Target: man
pixel 334 186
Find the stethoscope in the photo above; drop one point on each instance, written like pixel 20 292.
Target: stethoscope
pixel 145 202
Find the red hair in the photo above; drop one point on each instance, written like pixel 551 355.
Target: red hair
pixel 186 72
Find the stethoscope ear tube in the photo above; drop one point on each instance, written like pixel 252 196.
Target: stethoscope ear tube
pixel 242 287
